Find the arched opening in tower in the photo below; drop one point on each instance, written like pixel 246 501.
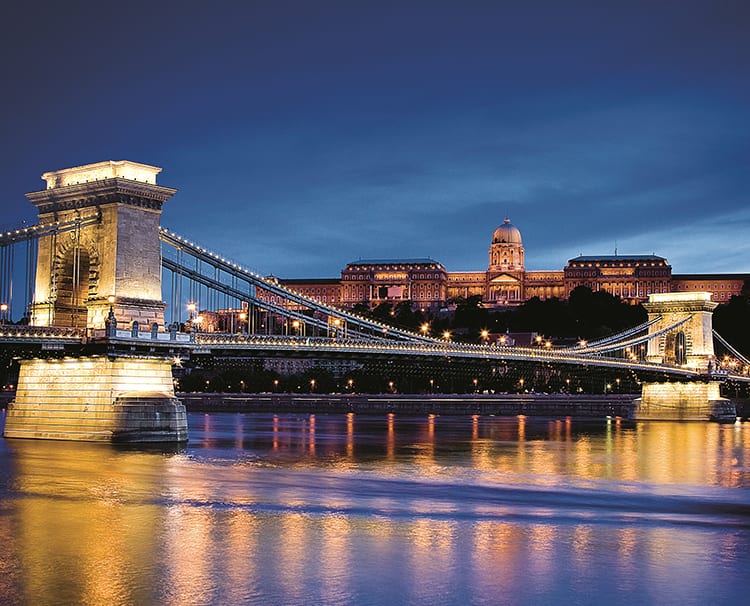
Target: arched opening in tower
pixel 680 355
pixel 73 288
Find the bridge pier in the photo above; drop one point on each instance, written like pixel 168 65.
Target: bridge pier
pixel 692 401
pixel 96 399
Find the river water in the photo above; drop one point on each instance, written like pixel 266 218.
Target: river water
pixel 353 509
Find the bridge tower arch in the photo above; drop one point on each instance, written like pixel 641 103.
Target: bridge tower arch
pixel 119 255
pixel 689 345
pixel 74 279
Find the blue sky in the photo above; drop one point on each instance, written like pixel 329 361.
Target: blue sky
pixel 305 135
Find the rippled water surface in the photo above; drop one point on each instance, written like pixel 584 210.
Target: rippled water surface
pixel 345 509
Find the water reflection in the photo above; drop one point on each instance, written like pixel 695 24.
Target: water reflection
pixel 85 528
pixel 347 508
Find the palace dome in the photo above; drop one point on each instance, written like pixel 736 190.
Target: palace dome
pixel 507 233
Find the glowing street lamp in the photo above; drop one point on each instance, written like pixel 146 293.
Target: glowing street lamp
pixel 3 312
pixel 447 335
pixel 243 317
pixel 485 334
pixel 336 326
pixel 425 328
pixel 312 384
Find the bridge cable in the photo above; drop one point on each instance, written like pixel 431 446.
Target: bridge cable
pixel 286 293
pixel 622 335
pixel 731 349
pixel 638 340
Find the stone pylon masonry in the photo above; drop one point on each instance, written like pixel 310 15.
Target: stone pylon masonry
pixel 103 274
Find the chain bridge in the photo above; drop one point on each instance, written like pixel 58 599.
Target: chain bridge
pixel 98 301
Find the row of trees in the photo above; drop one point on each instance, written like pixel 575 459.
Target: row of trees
pixel 586 315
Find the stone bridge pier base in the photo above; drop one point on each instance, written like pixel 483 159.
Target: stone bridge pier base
pixel 97 399
pixel 674 401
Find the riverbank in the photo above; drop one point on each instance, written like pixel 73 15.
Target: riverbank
pixel 540 405
pixel 532 405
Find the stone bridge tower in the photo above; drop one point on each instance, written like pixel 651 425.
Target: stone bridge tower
pixel 691 346
pixel 692 343
pixel 117 255
pixel 112 387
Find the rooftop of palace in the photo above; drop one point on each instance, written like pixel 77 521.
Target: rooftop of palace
pixel 414 261
pixel 615 258
pixel 716 276
pixel 291 281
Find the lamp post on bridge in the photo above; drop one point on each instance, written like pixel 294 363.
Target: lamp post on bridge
pixel 191 313
pixel 3 313
pixel 110 324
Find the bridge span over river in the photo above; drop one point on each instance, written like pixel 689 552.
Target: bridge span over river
pixel 105 284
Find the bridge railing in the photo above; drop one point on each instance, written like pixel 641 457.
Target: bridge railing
pixel 43 332
pixel 128 334
pixel 217 341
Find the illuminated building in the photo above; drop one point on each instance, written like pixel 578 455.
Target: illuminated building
pixel 429 286
pixel 630 277
pixel 421 281
pixel 721 286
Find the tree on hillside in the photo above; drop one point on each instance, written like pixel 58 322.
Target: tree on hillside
pixel 470 313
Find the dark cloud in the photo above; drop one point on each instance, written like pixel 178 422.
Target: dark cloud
pixel 302 136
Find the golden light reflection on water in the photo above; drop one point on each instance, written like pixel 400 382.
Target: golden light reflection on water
pixel 83 532
pixel 93 524
pixel 350 435
pixel 292 551
pixel 390 443
pixel 336 557
pixel 187 536
pixel 432 550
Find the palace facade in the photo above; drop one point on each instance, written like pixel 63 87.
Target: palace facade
pixel 429 286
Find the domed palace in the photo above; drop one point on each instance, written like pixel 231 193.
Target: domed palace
pixel 429 286
pixel 506 281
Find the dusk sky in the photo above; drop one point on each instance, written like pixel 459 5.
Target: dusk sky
pixel 305 135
